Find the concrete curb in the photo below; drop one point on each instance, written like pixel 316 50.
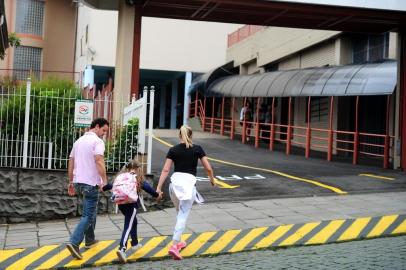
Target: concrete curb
pixel 210 243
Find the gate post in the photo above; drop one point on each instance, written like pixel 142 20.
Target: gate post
pixel 26 121
pixel 150 124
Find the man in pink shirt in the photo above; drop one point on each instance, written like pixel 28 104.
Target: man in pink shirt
pixel 87 176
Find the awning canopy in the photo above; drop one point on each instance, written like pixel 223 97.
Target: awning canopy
pixel 351 80
pixel 204 80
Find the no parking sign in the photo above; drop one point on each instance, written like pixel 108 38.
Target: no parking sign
pixel 83 113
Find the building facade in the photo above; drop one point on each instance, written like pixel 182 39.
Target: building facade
pixel 47 30
pixel 284 51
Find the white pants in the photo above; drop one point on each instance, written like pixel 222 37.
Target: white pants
pixel 182 209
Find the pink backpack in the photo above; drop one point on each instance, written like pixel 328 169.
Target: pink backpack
pixel 125 189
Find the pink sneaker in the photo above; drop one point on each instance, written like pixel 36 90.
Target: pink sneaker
pixel 174 252
pixel 181 245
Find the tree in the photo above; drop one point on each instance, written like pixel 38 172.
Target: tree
pixel 13 41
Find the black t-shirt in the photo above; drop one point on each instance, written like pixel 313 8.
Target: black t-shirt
pixel 185 159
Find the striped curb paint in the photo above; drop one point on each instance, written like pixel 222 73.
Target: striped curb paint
pixel 209 243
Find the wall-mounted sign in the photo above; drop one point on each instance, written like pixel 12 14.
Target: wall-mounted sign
pixel 83 113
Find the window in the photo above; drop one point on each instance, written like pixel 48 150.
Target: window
pixel 369 48
pixel 30 17
pixel 319 107
pixel 26 59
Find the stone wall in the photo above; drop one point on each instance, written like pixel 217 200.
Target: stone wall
pixel 27 194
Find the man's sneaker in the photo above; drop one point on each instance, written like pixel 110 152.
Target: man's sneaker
pixel 181 245
pixel 174 252
pixel 74 251
pixel 135 248
pixel 91 244
pixel 122 257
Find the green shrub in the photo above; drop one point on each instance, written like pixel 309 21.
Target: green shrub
pixel 124 147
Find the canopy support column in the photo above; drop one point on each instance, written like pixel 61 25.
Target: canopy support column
pixel 356 134
pixel 272 135
pixel 330 130
pixel 212 115
pixel 204 115
pixel 289 131
pixel 222 117
pixel 308 131
pixel 232 119
pixel 257 124
pixel 244 125
pixel 387 138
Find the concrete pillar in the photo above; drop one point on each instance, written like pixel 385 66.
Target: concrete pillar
pixel 162 107
pixel 188 82
pixel 174 101
pixel 127 15
pixel 135 71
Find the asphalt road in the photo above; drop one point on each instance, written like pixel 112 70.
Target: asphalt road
pixel 275 174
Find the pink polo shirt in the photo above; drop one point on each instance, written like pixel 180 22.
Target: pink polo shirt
pixel 83 153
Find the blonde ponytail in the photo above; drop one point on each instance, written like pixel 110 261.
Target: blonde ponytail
pixel 185 133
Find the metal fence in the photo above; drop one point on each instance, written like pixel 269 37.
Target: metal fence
pixel 38 131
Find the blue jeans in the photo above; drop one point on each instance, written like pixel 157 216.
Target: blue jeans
pixel 87 223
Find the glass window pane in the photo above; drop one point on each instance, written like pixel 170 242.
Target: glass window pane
pixel 30 17
pixel 26 59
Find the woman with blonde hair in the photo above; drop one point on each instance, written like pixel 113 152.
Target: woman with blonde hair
pixel 182 189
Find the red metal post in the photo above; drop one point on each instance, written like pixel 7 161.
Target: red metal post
pixel 308 131
pixel 272 135
pixel 356 134
pixel 244 125
pixel 204 114
pixel 212 116
pixel 232 119
pixel 289 132
pixel 222 117
pixel 197 98
pixel 330 130
pixel 387 138
pixel 257 125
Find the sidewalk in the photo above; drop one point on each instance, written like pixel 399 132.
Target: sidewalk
pixel 239 226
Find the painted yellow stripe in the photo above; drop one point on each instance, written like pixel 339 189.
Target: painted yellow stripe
pixel 377 176
pixel 224 185
pixel 108 258
pixel 164 251
pixel 26 260
pixel 313 182
pixel 334 189
pixel 401 228
pixel 241 244
pixel 193 247
pixel 299 234
pixel 111 256
pixel 382 225
pixel 273 236
pixel 5 254
pixel 322 236
pixel 51 262
pixel 355 229
pixel 90 253
pixel 222 242
pixel 150 245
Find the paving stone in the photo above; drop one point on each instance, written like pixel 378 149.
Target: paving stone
pixel 201 227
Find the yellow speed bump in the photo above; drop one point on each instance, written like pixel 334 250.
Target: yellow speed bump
pixel 211 243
